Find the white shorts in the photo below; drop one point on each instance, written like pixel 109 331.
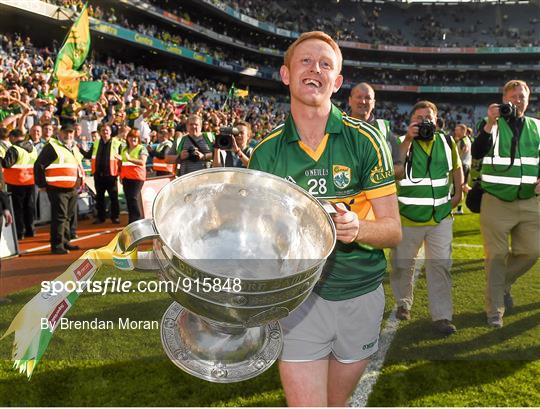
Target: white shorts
pixel 349 329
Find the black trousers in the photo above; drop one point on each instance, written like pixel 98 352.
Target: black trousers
pixel 63 206
pixel 107 184
pixel 74 221
pixel 163 173
pixel 132 191
pixel 24 208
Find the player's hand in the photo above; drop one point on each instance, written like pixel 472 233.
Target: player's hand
pixel 347 224
pixel 493 113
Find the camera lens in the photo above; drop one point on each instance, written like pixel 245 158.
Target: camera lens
pixel 426 130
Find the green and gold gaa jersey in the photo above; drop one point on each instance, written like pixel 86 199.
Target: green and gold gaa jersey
pixel 352 165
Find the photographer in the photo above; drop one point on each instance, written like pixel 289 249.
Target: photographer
pixel 194 150
pixel 429 163
pixel 508 142
pixel 231 150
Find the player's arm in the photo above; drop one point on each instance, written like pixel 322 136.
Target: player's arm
pixel 384 231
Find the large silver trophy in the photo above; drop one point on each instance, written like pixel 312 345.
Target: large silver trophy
pixel 243 249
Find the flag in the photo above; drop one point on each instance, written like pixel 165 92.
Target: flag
pixel 241 93
pixel 70 59
pixel 237 92
pixel 178 98
pixel 181 100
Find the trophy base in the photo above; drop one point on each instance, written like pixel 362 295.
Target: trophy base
pixel 214 352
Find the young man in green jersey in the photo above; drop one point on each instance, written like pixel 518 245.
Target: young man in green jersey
pixel 329 338
pixel 508 143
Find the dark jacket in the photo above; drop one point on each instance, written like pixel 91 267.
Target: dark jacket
pixel 12 155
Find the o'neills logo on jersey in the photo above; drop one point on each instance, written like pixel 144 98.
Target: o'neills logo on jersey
pixel 378 174
pixel 341 176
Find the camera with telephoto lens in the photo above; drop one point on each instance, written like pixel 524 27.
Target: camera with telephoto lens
pixel 224 140
pixel 508 110
pixel 426 130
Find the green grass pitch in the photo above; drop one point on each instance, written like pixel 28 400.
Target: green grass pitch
pixel 478 366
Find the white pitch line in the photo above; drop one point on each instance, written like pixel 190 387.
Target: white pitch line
pixel 373 370
pixel 34 249
pixel 476 246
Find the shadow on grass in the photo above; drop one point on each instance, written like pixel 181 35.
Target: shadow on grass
pixel 152 381
pixel 419 341
pixel 441 382
pixel 465 233
pixel 424 369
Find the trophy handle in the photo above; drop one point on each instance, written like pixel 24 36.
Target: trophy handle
pixel 126 255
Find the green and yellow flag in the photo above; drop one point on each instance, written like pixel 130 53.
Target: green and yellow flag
pixel 237 92
pixel 241 93
pixel 70 59
pixel 182 99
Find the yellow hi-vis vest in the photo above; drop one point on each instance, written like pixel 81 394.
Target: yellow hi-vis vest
pixel 22 171
pixel 66 168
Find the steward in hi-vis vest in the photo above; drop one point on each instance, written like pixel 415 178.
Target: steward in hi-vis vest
pixel 428 165
pixel 105 157
pixel 133 174
pixel 21 172
pixel 110 153
pixel 66 170
pixel 131 170
pixel 58 168
pixel 159 164
pixel 508 143
pixel 18 163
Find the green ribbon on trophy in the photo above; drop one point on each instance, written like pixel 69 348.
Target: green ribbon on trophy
pixel 31 339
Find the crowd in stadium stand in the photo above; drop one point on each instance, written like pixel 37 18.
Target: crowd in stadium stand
pixel 235 56
pixel 352 21
pixel 27 71
pixel 263 112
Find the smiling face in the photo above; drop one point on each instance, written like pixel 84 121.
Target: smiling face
pixel 133 139
pixel 194 126
pixel 362 102
pixel 313 73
